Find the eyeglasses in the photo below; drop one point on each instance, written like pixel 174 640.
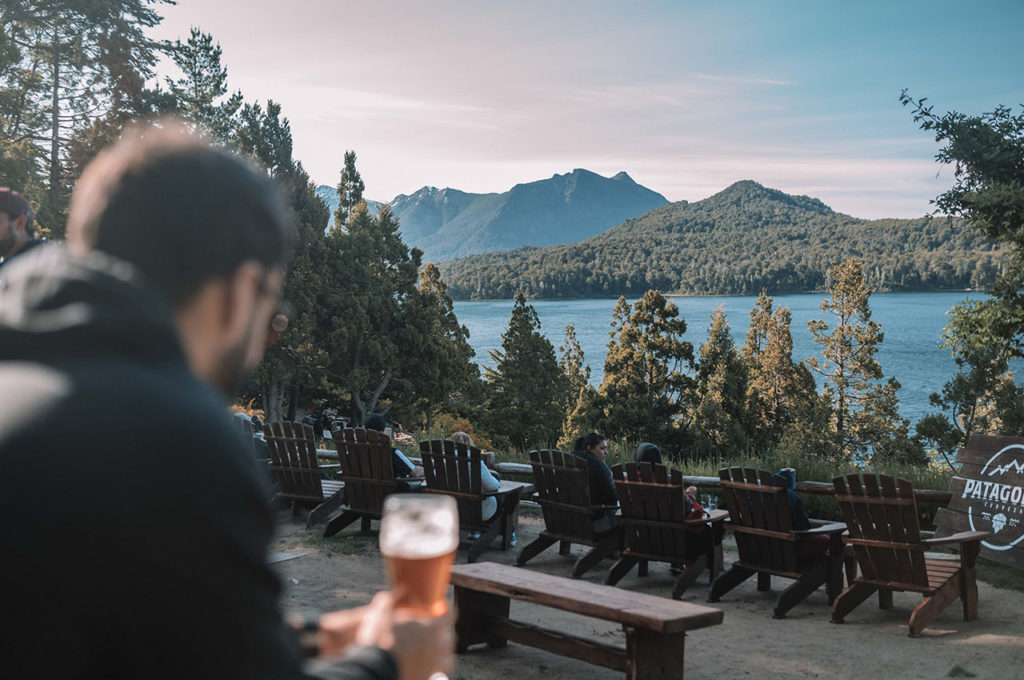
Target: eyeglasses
pixel 279 322
pixel 279 319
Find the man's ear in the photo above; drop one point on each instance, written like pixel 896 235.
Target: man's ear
pixel 241 295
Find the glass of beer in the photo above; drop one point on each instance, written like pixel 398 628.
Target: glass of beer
pixel 418 537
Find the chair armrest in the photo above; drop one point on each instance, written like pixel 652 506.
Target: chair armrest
pixel 713 516
pixel 831 528
pixel 962 537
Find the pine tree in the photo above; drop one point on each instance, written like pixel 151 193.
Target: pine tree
pixel 864 409
pixel 75 61
pixel 437 361
pixel 374 277
pixel 350 190
pixel 579 398
pixel 780 391
pixel 525 386
pixel 720 419
pixel 199 92
pixel 645 387
pixel 301 354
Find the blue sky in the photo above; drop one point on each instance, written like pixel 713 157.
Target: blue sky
pixel 687 97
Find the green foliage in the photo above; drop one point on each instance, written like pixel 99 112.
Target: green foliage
pixel 780 394
pixel 437 367
pixel 721 420
pixel 737 242
pixel 373 287
pixel 647 381
pixel 350 190
pixel 987 153
pixel 579 394
pixel 525 387
pixel 864 409
pixel 64 65
pixel 199 92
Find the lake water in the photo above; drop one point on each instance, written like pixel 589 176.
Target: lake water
pixel 912 323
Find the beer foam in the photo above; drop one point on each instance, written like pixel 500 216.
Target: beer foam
pixel 418 536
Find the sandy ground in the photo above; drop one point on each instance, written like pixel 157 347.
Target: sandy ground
pixel 346 570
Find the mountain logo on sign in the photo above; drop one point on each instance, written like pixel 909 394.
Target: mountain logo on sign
pixel 1003 469
pixel 1004 496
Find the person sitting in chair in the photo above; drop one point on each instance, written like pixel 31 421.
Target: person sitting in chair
pixel 488 482
pixel 401 466
pixel 594 449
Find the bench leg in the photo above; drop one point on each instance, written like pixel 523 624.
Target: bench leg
pixel 885 599
pixel 564 548
pixel 364 524
pixel 472 609
pixel 653 656
pixel 764 581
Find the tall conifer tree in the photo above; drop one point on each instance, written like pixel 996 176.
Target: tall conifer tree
pixel 525 386
pixel 350 190
pixel 864 409
pixel 646 382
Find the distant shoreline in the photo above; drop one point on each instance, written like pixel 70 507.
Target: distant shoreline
pixel 718 295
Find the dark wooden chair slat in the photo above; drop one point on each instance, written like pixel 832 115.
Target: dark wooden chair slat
pixel 654 528
pixel 886 540
pixel 563 492
pixel 454 470
pixel 292 449
pixel 365 459
pixel 762 523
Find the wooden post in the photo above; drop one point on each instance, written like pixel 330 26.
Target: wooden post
pixel 653 656
pixel 473 608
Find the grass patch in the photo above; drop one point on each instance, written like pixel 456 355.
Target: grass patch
pixel 1000 575
pixel 345 543
pixel 959 671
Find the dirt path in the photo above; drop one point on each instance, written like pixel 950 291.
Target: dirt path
pixel 346 571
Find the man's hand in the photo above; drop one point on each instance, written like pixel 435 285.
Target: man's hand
pixel 420 645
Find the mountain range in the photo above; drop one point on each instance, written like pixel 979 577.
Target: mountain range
pixel 739 241
pixel 448 223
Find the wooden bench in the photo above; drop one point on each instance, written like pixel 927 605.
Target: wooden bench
pixel 293 457
pixel 655 627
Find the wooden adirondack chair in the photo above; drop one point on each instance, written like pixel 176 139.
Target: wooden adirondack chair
pixel 761 520
pixel 293 462
pixel 881 514
pixel 366 467
pixel 655 527
pixel 563 492
pixel 454 470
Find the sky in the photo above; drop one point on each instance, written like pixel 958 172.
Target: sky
pixel 687 97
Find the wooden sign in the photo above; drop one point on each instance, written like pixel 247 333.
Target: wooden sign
pixel 988 495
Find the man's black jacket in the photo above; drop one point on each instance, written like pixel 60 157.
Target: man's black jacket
pixel 134 529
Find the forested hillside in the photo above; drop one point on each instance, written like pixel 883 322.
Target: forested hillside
pixel 739 241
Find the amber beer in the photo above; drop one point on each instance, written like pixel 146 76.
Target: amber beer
pixel 418 537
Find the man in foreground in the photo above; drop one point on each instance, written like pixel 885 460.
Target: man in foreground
pixel 134 536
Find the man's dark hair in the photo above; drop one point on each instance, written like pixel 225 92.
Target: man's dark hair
pixel 14 205
pixel 377 422
pixel 180 210
pixel 590 440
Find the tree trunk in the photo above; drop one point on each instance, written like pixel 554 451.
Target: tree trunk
pixel 55 126
pixel 273 396
pixel 293 399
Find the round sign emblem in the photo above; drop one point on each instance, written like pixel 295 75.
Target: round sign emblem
pixel 1001 497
